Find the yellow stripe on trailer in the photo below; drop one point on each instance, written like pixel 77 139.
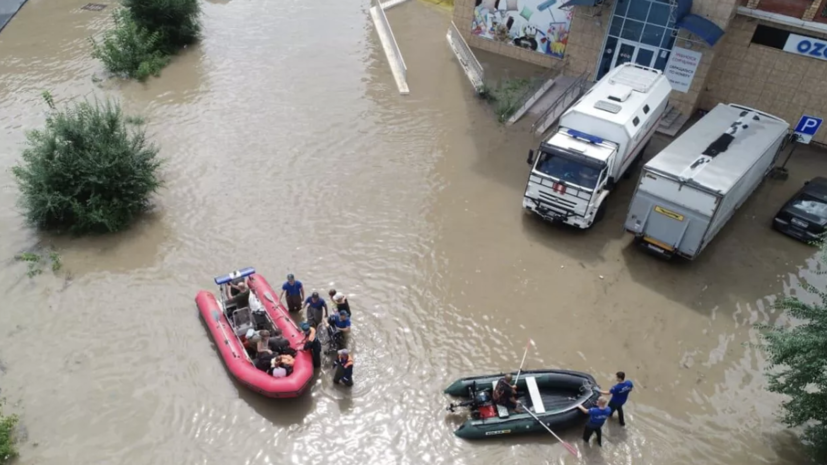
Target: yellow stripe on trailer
pixel 669 213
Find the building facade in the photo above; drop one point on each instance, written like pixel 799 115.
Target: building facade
pixel 767 54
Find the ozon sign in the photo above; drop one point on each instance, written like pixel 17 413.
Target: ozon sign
pixel 807 46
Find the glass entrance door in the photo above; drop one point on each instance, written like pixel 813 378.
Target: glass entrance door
pixel 634 52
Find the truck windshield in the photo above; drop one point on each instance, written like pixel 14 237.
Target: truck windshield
pixel 568 170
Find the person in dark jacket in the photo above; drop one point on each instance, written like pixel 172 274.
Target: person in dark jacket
pixel 340 301
pixel 277 342
pixel 312 343
pixel 344 368
pixel 505 393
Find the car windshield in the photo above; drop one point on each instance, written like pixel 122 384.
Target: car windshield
pixel 810 205
pixel 568 170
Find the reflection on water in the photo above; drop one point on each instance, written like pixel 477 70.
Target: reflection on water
pixel 289 149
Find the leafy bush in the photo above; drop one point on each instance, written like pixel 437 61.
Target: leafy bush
pixel 798 360
pixel 86 171
pixel 175 20
pixel 146 33
pixel 130 50
pixel 8 451
pixel 507 96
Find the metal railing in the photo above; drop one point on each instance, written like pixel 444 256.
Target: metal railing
pixel 550 74
pixel 466 57
pixel 394 46
pixel 530 96
pixel 563 102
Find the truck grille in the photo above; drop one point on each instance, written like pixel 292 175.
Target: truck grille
pixel 559 201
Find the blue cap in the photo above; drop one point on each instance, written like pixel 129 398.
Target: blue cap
pixel 304 326
pixel 343 313
pixel 290 276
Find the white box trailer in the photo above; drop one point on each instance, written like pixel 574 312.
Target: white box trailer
pixel 693 187
pixel 599 138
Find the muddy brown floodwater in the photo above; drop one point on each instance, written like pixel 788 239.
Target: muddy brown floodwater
pixel 289 149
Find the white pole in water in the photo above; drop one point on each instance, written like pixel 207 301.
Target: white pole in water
pixel 530 343
pixel 568 446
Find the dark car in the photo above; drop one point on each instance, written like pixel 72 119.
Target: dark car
pixel 804 216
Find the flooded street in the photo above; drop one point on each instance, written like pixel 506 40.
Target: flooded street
pixel 289 149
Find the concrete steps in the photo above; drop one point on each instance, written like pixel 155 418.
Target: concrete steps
pixel 672 122
pixel 533 99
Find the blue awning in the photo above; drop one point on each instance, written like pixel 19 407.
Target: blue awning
pixel 701 27
pixel 683 8
pixel 579 3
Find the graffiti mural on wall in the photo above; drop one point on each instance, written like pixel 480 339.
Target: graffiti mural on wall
pixel 538 25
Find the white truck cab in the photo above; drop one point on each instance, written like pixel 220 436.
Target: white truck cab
pixel 598 139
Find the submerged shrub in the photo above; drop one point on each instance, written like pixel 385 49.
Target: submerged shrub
pixel 506 96
pixel 146 33
pixel 175 20
pixel 88 170
pixel 129 50
pixel 8 451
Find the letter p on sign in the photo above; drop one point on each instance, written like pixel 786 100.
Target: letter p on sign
pixel 806 128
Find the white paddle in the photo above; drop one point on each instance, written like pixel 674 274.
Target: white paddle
pixel 568 446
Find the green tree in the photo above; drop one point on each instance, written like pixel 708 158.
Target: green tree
pixel 798 365
pixel 129 50
pixel 91 169
pixel 175 20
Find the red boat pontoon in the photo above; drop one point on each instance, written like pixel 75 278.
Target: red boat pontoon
pixel 228 323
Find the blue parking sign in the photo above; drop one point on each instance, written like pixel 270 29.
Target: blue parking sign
pixel 806 128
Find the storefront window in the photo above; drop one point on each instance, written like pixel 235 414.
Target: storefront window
pixel 641 31
pixel 652 35
pixel 632 30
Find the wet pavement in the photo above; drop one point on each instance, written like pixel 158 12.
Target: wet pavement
pixel 289 149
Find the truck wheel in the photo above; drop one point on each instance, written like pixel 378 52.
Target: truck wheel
pixel 601 213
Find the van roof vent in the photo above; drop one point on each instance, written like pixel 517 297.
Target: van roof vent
pixel 620 92
pixel 608 106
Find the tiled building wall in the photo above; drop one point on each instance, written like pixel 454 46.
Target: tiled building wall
pixel 791 8
pixel 587 34
pixel 588 30
pixel 768 79
pixel 464 15
pixel 819 13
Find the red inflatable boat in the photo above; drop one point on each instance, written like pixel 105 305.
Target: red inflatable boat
pixel 228 324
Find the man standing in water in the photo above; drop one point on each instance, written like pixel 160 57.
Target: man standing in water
pixel 314 306
pixel 620 394
pixel 295 293
pixel 597 416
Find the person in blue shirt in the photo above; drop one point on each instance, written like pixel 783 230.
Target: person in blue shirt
pixel 314 306
pixel 620 394
pixel 343 322
pixel 597 416
pixel 295 293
